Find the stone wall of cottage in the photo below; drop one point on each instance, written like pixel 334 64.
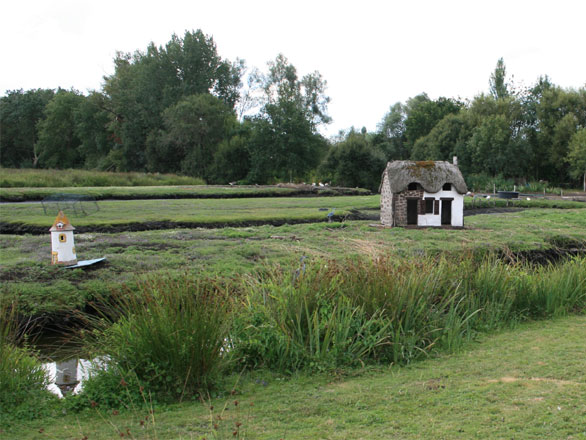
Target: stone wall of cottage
pixel 386 203
pixel 400 204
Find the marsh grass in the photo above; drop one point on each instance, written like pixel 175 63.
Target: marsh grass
pixel 383 310
pixel 23 381
pixel 168 335
pixel 37 178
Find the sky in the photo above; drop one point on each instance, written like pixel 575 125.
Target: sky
pixel 371 53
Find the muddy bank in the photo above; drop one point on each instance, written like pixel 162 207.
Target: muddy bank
pixel 21 229
pixel 477 211
pixel 365 214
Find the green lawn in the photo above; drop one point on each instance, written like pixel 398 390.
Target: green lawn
pixel 195 211
pixel 173 191
pixel 525 383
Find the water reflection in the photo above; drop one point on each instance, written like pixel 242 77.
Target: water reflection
pixel 67 376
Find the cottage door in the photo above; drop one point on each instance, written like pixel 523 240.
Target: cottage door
pixel 446 212
pixel 412 206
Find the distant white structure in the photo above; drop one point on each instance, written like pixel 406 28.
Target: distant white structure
pixel 62 244
pixel 422 194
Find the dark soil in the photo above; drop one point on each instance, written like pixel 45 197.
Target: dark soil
pixel 476 211
pixel 21 229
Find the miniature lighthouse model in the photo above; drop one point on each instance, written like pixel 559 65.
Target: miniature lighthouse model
pixel 62 245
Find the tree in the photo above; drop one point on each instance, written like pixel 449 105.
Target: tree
pixel 20 112
pixel 193 129
pixel 146 83
pixel 444 141
pixel 495 150
pixel 354 162
pixel 284 143
pixel 281 85
pixel 390 135
pixel 577 156
pixel 425 114
pixel 92 120
pixel 232 159
pixel 57 146
pixel 497 82
pixel 559 114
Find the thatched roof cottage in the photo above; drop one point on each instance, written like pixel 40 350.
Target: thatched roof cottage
pixel 429 193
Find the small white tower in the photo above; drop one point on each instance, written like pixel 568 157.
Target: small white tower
pixel 62 245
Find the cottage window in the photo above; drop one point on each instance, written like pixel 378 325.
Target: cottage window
pixel 62 238
pixel 447 187
pixel 412 186
pixel 429 205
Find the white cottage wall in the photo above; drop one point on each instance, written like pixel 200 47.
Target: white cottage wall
pixel 457 209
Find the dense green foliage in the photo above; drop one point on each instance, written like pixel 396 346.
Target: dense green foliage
pixel 354 162
pixel 23 381
pixel 170 338
pixel 167 334
pixel 181 108
pixel 342 313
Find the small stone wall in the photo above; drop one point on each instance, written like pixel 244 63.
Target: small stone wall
pixel 400 205
pixel 386 203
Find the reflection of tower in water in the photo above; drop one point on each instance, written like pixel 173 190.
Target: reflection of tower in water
pixel 66 378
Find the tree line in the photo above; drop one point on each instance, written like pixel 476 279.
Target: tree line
pixel 181 108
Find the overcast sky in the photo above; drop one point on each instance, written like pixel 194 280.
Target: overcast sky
pixel 372 53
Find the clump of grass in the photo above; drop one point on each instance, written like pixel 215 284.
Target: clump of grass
pixel 169 334
pixel 23 381
pixel 295 321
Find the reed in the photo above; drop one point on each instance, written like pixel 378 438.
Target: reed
pixel 383 310
pixel 169 333
pixel 23 381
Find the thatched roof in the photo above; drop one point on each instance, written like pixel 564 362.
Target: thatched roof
pixel 429 174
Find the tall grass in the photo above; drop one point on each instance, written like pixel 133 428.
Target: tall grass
pixel 36 178
pixel 23 381
pixel 169 334
pixel 175 336
pixel 340 313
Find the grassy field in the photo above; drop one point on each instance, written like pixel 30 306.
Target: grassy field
pixel 27 275
pixel 111 216
pixel 536 390
pixel 174 192
pixel 196 212
pixel 488 391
